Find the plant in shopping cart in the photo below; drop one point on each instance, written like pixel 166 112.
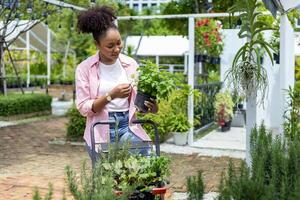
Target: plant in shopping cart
pixel 153 83
pixel 139 173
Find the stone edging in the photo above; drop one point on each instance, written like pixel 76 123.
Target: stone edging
pixel 64 142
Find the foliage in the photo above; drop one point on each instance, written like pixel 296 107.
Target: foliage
pixel 274 172
pixel 208 37
pixel 140 171
pixel 297 68
pixel 223 107
pixel 205 107
pixel 120 172
pixel 247 74
pixel 155 82
pixel 92 186
pixel 195 187
pixel 76 124
pixel 15 104
pixel 172 113
pixel 179 116
pixel 36 194
pixel 161 118
pixel 291 115
pixel 236 98
pixel 275 38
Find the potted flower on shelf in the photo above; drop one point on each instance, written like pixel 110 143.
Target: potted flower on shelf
pixel 153 84
pixel 224 110
pixel 209 40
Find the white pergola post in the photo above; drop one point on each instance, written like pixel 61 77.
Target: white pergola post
pixel 185 63
pixel 157 60
pixel 28 57
pixel 191 77
pixel 48 55
pixel 287 64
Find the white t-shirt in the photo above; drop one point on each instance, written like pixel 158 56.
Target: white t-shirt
pixel 111 76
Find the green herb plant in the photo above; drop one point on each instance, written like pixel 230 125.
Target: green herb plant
pixel 195 187
pixel 155 82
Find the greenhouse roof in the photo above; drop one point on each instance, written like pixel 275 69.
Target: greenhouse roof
pixel 158 45
pixel 38 35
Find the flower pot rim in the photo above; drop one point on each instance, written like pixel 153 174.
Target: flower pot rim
pixel 181 133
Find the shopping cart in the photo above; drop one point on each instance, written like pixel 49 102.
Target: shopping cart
pixel 137 195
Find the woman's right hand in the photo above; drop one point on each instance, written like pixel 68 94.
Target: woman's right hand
pixel 121 91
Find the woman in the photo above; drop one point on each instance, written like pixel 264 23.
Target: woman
pixel 103 90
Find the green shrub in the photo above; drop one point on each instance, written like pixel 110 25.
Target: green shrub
pixel 195 187
pixel 76 125
pixel 172 113
pixel 15 104
pixel 274 174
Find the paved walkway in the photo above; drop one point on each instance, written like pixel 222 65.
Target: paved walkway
pixel 217 144
pixel 28 160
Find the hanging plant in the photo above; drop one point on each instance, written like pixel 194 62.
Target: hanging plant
pixel 247 73
pixel 208 37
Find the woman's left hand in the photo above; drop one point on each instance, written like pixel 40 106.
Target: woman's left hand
pixel 152 106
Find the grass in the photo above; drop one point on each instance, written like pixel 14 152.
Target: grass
pixel 204 132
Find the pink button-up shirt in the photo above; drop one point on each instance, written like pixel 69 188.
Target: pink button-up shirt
pixel 87 89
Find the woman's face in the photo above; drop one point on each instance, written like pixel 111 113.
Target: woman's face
pixel 110 46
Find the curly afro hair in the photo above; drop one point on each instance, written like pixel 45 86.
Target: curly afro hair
pixel 96 20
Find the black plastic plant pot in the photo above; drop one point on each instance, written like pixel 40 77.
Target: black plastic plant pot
pixel 226 126
pixel 140 101
pixel 240 106
pixel 276 57
pixel 199 58
pixel 205 58
pixel 145 195
pixel 215 60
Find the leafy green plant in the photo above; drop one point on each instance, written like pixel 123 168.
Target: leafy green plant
pixel 15 104
pixel 172 113
pixel 125 174
pixel 247 73
pixel 76 124
pixel 155 82
pixel 195 187
pixel 98 184
pixel 223 107
pixel 291 115
pixel 179 115
pixel 139 171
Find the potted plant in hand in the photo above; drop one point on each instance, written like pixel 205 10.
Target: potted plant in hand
pixel 153 84
pixel 223 110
